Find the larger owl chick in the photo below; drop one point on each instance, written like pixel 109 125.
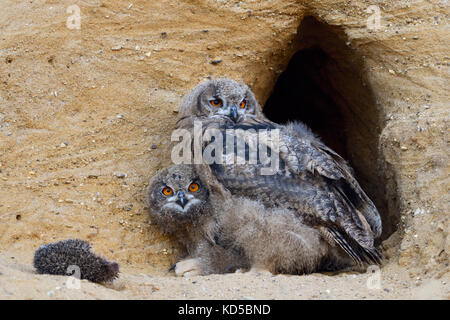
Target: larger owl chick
pixel 310 178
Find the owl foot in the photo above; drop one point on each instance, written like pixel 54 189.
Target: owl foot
pixel 259 271
pixel 188 268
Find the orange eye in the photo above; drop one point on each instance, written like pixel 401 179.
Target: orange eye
pixel 243 104
pixel 193 187
pixel 217 103
pixel 167 191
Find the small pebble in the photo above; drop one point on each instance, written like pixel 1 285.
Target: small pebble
pixel 120 175
pixel 116 48
pixel 154 146
pixel 216 61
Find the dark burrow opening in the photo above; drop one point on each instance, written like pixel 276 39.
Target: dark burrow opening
pixel 324 86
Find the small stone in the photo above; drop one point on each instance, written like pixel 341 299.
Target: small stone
pixel 119 116
pixel 129 6
pixel 8 134
pixel 120 175
pixel 116 48
pixel 148 54
pixel 154 146
pixel 50 293
pixel 137 48
pixel 404 148
pixel 416 38
pixel 216 61
pixel 426 107
pixel 391 71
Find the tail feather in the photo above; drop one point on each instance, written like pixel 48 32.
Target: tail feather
pixel 359 254
pixel 339 239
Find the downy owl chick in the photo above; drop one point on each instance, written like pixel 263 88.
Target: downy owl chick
pixel 180 204
pixel 223 232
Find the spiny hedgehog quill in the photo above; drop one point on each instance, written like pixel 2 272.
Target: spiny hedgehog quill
pixel 55 258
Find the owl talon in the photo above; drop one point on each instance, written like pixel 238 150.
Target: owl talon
pixel 259 271
pixel 172 267
pixel 188 268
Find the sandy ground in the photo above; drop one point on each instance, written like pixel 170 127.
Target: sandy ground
pixel 19 281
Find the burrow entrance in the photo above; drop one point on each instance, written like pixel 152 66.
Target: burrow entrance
pixel 324 86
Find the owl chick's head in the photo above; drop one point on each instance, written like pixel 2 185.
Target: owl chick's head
pixel 176 196
pixel 222 99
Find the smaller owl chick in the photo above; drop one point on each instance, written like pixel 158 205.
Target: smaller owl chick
pixel 180 205
pixel 222 232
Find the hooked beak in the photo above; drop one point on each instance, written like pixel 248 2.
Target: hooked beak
pixel 233 113
pixel 181 199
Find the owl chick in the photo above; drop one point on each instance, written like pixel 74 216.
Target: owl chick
pixel 180 204
pixel 222 232
pixel 311 179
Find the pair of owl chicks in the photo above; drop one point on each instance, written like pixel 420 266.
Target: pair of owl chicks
pixel 221 233
pixel 309 215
